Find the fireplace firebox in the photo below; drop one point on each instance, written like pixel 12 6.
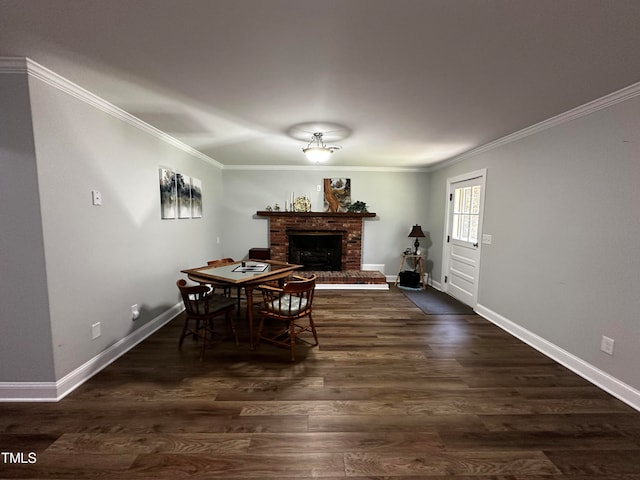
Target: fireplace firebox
pixel 316 250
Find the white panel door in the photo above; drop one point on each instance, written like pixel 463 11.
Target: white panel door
pixel 464 230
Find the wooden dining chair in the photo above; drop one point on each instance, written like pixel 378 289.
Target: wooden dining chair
pixel 201 308
pixel 219 262
pixel 291 307
pixel 226 289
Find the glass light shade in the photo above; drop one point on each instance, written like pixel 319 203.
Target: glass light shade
pixel 317 154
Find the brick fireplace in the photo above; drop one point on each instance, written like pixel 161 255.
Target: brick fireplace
pixel 347 225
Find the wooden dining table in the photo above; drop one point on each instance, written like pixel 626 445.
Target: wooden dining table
pixel 246 274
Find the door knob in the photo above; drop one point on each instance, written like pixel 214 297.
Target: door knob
pixel 475 244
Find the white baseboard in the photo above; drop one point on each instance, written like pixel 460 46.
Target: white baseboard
pixel 603 380
pixel 28 392
pixel 55 391
pixel 352 286
pixel 376 267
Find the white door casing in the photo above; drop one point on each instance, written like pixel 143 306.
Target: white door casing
pixel 463 233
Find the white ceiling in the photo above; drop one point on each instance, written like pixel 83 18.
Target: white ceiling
pixel 405 83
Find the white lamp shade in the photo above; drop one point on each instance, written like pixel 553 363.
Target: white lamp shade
pixel 317 154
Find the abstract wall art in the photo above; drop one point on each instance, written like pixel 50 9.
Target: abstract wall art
pixel 183 187
pixel 168 200
pixel 196 198
pixel 180 195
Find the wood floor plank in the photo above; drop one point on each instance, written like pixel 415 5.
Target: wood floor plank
pixel 339 442
pixel 597 464
pixel 324 407
pixel 626 423
pixel 185 443
pixel 391 423
pixel 450 463
pixel 541 441
pixel 273 464
pixel 389 393
pixel 514 405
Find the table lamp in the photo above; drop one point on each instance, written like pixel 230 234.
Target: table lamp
pixel 416 232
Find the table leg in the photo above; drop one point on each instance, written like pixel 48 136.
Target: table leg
pixel 249 292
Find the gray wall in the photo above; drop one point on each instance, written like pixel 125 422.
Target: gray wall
pixel 99 260
pixel 563 207
pixel 25 338
pixel 398 199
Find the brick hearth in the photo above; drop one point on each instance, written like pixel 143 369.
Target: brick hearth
pixel 350 224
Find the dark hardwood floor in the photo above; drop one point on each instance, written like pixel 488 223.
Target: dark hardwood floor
pixel 390 393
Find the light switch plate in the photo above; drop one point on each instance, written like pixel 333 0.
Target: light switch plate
pixel 96 197
pixel 486 239
pixel 606 345
pixel 95 330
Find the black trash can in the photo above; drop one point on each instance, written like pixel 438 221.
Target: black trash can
pixel 410 279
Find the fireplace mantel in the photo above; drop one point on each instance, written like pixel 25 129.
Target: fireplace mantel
pixel 264 213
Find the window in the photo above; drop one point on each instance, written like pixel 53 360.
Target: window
pixel 466 213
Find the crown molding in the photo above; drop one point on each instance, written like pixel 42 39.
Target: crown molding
pixel 601 103
pixel 326 168
pixel 13 65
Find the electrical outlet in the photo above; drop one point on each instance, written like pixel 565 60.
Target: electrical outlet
pixel 606 345
pixel 95 331
pixel 135 312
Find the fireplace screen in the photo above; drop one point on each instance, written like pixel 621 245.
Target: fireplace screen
pixel 321 251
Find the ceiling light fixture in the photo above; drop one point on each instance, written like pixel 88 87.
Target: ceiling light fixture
pixel 317 151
